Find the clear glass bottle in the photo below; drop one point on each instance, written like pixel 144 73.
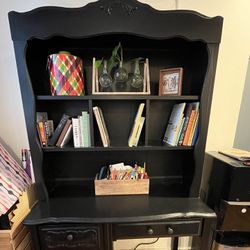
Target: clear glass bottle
pixel 120 77
pixel 136 80
pixel 105 79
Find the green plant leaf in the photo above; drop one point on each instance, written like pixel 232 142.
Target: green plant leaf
pixel 116 50
pixel 98 63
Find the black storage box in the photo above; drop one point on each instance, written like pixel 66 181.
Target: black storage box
pixel 229 180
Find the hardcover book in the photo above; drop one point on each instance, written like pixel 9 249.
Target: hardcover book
pixel 67 136
pixel 64 131
pixel 174 124
pixel 76 132
pixel 101 126
pixel 52 141
pixel 131 140
pixel 138 133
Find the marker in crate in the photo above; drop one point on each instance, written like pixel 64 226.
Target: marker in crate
pixel 122 172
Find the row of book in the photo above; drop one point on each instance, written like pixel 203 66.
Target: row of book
pixel 76 128
pixel 13 180
pixel 135 131
pixel 183 125
pixel 182 128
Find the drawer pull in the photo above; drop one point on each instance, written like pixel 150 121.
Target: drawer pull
pixel 170 230
pixel 243 210
pixel 70 237
pixel 150 230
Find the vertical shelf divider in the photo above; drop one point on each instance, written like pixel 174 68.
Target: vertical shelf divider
pixel 147 121
pixel 91 121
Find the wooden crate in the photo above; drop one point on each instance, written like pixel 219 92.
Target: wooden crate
pixel 121 187
pixel 18 237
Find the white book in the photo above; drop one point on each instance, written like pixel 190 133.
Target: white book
pixel 136 124
pixel 67 136
pixel 100 126
pixel 174 123
pixel 76 132
pixel 138 134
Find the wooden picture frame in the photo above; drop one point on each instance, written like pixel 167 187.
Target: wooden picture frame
pixel 170 82
pixel 146 83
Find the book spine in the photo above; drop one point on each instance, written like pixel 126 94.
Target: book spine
pixel 85 129
pixel 180 130
pixel 81 131
pixel 177 130
pixel 42 133
pixel 196 132
pixel 88 129
pixel 106 134
pixel 61 137
pixel 76 132
pixel 67 136
pixel 189 127
pixel 193 128
pixel 135 125
pixel 58 130
pixel 138 134
pixel 100 126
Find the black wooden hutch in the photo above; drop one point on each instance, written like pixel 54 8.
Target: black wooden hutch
pixel 68 215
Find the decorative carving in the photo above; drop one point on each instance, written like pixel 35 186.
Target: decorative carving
pixel 107 7
pixel 71 238
pixel 129 9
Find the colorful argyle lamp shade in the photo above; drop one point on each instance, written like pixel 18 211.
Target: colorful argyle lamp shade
pixel 66 74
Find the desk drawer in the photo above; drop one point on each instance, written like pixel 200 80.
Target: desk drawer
pixel 70 237
pixel 234 216
pixel 142 230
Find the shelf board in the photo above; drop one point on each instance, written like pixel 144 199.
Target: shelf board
pixel 117 97
pixel 119 148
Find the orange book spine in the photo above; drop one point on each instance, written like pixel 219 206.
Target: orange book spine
pixel 189 127
pixel 42 133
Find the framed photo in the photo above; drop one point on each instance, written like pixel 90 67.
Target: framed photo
pixel 170 81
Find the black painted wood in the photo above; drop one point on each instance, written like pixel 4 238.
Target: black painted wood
pixel 190 40
pixel 117 209
pixel 113 16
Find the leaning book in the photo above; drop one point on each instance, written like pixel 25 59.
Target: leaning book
pixel 174 124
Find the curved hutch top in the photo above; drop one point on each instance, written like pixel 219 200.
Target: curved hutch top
pixel 169 39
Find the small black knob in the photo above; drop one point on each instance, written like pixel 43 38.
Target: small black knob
pixel 150 230
pixel 170 230
pixel 70 237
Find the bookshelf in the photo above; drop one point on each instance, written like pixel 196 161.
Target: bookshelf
pixel 62 173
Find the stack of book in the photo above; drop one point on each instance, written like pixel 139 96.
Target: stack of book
pixel 137 127
pixel 102 126
pixel 45 127
pixel 78 126
pixel 183 125
pixel 13 181
pixel 81 130
pixel 237 154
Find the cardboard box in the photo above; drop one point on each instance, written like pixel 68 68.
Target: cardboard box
pixel 18 237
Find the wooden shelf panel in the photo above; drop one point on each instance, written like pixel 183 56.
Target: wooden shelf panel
pixel 117 97
pixel 124 148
